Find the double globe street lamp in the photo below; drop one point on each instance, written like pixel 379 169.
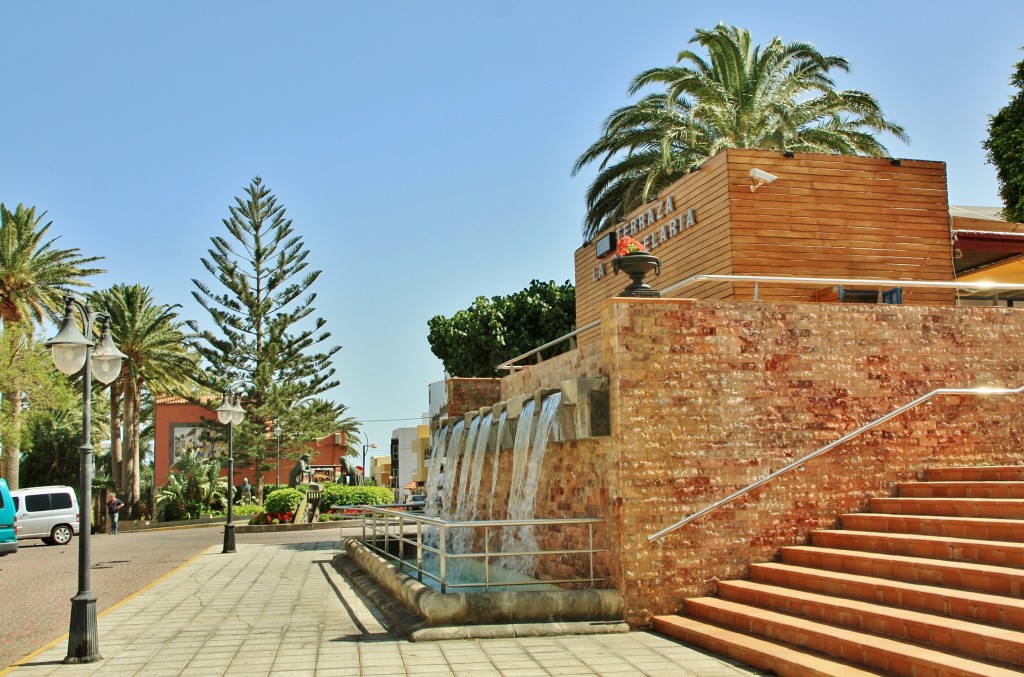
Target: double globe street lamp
pixel 75 352
pixel 230 413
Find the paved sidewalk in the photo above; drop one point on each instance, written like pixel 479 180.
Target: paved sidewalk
pixel 284 610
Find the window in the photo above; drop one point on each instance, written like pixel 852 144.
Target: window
pixel 59 501
pixel 37 502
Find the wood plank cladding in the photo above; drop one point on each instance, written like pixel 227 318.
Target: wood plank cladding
pixel 823 216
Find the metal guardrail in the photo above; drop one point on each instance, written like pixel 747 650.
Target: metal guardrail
pixel 781 279
pixel 828 447
pixel 385 526
pixel 510 364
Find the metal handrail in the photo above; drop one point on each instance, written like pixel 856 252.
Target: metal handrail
pixel 803 281
pixel 377 515
pixel 828 447
pixel 850 281
pixel 510 364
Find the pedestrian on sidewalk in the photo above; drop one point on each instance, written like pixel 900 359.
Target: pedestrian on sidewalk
pixel 113 506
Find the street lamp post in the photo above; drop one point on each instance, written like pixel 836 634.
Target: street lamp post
pixel 230 413
pixel 366 445
pixel 72 352
pixel 278 431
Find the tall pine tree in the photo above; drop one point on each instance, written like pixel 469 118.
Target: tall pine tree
pixel 267 338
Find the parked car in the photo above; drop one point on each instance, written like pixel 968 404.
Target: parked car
pixel 47 513
pixel 8 522
pixel 416 503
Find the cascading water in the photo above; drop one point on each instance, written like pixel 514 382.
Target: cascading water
pixel 525 480
pixel 473 463
pixel 462 456
pixel 498 439
pixel 438 443
pixel 460 466
pixel 437 499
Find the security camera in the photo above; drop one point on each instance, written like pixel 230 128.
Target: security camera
pixel 760 178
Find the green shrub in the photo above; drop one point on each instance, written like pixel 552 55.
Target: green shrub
pixel 340 494
pixel 246 509
pixel 283 500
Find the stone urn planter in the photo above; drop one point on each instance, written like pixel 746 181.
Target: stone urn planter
pixel 637 265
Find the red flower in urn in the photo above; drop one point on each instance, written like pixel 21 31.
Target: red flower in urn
pixel 628 245
pixel 632 258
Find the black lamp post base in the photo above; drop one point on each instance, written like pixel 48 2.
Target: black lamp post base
pixel 229 538
pixel 83 639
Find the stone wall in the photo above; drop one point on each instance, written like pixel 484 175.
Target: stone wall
pixel 468 394
pixel 584 361
pixel 708 397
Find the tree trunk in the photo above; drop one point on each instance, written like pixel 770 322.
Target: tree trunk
pixel 12 437
pixel 123 478
pixel 116 457
pixel 131 451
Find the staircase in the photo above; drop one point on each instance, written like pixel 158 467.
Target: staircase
pixel 927 583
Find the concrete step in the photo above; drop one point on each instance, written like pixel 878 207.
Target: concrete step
pixel 986 578
pixel 944 633
pixel 991 489
pixel 778 659
pixel 957 527
pixel 977 551
pixel 986 473
pixel 878 653
pixel 964 604
pixel 989 508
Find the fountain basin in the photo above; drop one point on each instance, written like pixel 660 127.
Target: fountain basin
pixel 425 613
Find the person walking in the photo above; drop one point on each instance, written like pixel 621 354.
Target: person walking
pixel 114 505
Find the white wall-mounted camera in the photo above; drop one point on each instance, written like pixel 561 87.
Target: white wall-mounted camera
pixel 760 178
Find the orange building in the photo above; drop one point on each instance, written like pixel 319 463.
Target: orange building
pixel 182 425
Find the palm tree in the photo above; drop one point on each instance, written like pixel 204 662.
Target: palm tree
pixel 34 278
pixel 158 358
pixel 779 97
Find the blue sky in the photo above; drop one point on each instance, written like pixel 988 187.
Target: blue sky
pixel 423 150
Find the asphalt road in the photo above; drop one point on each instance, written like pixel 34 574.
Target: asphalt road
pixel 37 583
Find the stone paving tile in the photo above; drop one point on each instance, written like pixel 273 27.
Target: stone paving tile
pixel 206 620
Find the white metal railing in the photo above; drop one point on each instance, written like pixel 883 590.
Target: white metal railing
pixel 383 527
pixel 828 447
pixel 782 279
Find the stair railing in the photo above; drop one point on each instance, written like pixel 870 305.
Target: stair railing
pixel 828 447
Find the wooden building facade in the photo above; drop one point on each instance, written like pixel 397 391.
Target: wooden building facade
pixel 819 216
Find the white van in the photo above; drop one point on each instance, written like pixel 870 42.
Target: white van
pixel 49 513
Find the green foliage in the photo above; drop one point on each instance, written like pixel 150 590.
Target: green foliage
pixel 282 501
pixel 195 489
pixel 34 278
pixel 51 442
pixel 339 494
pixel 1005 146
pixel 776 97
pixel 246 509
pixel 475 340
